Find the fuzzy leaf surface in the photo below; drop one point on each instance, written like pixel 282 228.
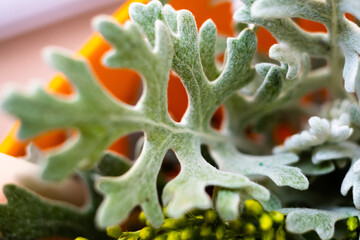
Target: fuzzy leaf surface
pixel 28 216
pixel 321 131
pixel 302 220
pixel 158 39
pixel 352 177
pixel 275 167
pixel 328 140
pixel 276 15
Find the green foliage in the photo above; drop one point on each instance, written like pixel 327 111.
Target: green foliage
pixel 174 44
pixel 323 222
pixel 254 223
pixel 254 94
pixel 275 16
pixel 28 216
pixel 113 164
pixel 322 131
pixel 208 225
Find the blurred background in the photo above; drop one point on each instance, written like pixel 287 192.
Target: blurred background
pixel 27 26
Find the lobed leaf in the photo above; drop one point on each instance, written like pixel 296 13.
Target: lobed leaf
pixel 350 7
pixel 340 151
pixel 28 216
pixel 285 30
pixel 275 166
pixel 320 132
pixel 275 16
pixel 228 204
pixel 157 40
pixel 310 169
pixel 308 9
pixel 302 220
pixel 283 54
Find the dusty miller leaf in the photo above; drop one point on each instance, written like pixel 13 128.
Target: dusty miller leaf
pixel 341 151
pixel 273 93
pixel 355 114
pixel 283 54
pixel 321 131
pixel 28 216
pixel 171 42
pixel 349 6
pixel 82 112
pixel 308 9
pixel 228 204
pixel 113 164
pixel 292 40
pixel 275 167
pixel 327 141
pixel 333 151
pixel 274 13
pixel 242 110
pixel 310 169
pixel 302 220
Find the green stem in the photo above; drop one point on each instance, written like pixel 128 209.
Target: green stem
pixel 334 64
pixel 315 80
pixel 336 85
pixel 249 112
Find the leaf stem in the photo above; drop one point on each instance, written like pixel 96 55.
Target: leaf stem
pixel 336 84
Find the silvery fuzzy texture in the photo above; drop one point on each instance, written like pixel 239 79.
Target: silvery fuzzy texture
pixel 156 40
pixel 320 131
pixel 302 220
pixel 159 39
pixel 275 16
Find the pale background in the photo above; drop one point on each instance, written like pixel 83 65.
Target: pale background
pixel 27 26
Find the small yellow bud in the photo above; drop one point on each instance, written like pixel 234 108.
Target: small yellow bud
pixel 277 217
pixel 236 225
pixel 174 223
pixel 253 207
pixel 160 237
pixel 220 232
pixel 210 216
pixel 132 238
pixel 187 234
pixel 280 234
pixel 173 236
pixel 142 217
pixel 199 217
pixel 81 238
pixel 165 212
pixel 169 224
pixel 205 231
pixel 249 229
pixel 265 222
pixel 147 233
pixel 268 235
pixel 249 238
pixel 114 231
pixel 352 235
pixel 352 223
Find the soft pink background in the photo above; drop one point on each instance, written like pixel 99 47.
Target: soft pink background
pixel 20 56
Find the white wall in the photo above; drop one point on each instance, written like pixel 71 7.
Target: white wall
pixel 19 16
